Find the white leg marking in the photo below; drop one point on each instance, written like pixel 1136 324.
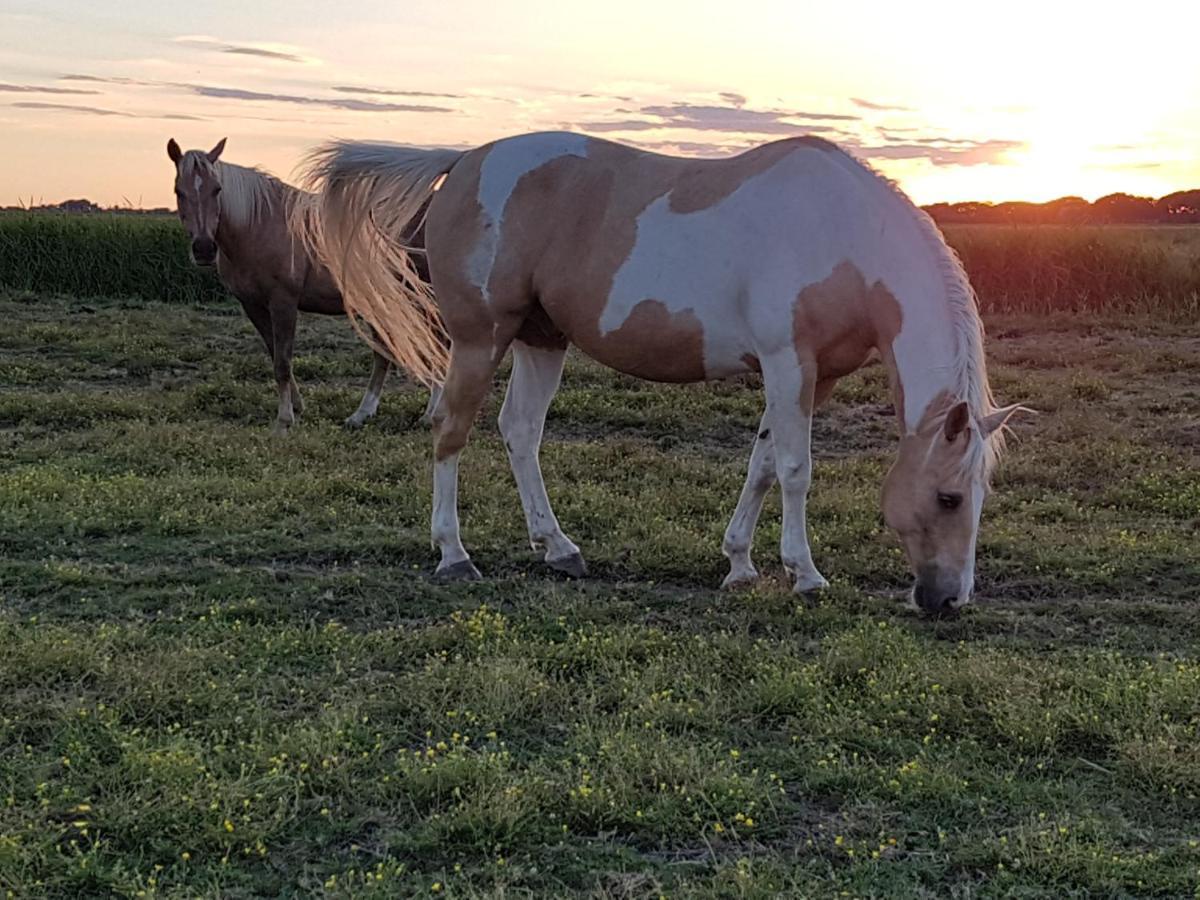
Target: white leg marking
pixel 740 534
pixel 370 401
pixel 445 514
pixel 285 417
pixel 789 416
pixel 535 379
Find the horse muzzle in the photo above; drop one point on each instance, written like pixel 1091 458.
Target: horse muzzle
pixel 204 251
pixel 939 593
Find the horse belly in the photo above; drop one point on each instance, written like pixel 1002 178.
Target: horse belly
pixel 654 340
pixel 660 311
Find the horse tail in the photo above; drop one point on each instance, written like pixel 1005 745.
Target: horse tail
pixel 365 209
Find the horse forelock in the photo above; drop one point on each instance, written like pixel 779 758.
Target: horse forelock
pixel 248 194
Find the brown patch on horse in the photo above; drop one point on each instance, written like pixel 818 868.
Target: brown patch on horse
pixel 707 182
pixel 840 320
pixel 676 353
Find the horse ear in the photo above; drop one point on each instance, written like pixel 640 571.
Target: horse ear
pixel 1000 417
pixel 215 153
pixel 173 151
pixel 957 420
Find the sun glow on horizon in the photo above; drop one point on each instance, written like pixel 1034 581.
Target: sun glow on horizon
pixel 1033 102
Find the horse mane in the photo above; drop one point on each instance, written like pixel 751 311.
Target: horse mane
pixel 969 366
pixel 249 194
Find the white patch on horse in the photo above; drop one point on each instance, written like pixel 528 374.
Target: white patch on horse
pixel 503 167
pixel 782 230
pixel 199 182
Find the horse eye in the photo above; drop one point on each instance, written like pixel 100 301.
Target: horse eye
pixel 949 501
pixel 216 189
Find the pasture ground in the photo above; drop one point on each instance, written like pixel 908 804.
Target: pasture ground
pixel 225 670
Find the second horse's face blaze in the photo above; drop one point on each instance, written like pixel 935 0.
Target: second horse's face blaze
pixel 198 196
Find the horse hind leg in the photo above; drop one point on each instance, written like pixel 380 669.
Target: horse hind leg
pixel 467 382
pixel 370 401
pixel 536 375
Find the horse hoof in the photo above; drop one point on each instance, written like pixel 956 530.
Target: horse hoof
pixel 280 429
pixel 572 566
pixel 354 423
pixel 810 583
pixel 463 570
pixel 735 580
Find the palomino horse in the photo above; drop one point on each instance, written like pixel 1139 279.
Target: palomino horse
pixel 793 259
pixel 237 218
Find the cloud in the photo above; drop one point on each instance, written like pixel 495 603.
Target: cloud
pixel 384 92
pixel 223 93
pixel 728 119
pixel 691 148
pixel 733 99
pixel 263 51
pixel 736 118
pixel 115 79
pixel 627 125
pixel 867 104
pixel 955 153
pixel 40 89
pixel 352 105
pixel 605 97
pixel 99 111
pixel 265 54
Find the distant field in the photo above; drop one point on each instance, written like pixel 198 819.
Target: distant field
pixel 102 256
pixel 1108 268
pixel 226 672
pixel 1032 268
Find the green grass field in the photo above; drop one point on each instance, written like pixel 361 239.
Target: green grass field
pixel 226 671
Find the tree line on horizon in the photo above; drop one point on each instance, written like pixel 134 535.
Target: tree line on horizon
pixel 1178 208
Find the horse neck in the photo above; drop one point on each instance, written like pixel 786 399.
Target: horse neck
pixel 926 361
pixel 236 236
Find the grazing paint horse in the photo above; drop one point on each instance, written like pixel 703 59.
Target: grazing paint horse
pixel 237 217
pixel 792 259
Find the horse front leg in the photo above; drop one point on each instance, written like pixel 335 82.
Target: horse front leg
pixel 740 534
pixel 791 395
pixel 283 329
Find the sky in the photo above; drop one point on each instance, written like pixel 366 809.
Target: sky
pixel 954 100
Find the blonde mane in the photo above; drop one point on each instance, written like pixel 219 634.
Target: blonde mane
pixel 970 365
pixel 248 195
